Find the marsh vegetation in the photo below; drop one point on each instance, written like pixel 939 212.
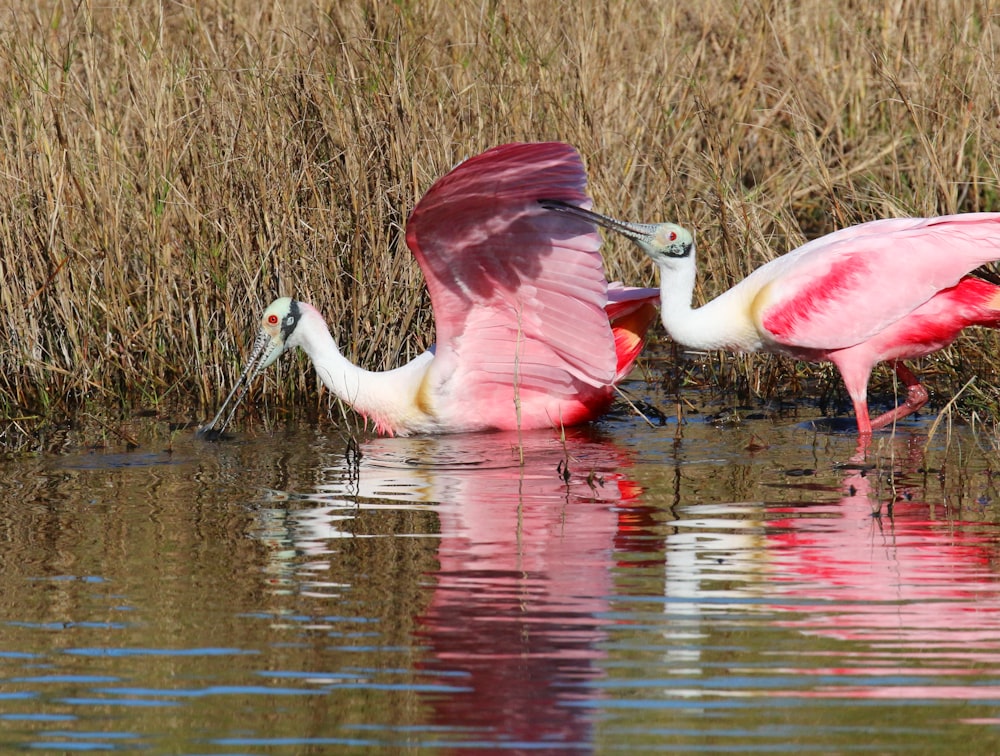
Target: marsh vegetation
pixel 169 168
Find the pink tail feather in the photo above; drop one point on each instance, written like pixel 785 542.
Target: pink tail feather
pixel 631 312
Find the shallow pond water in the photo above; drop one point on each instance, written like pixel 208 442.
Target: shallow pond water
pixel 627 588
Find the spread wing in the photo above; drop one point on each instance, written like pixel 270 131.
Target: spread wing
pixel 518 291
pixel 842 289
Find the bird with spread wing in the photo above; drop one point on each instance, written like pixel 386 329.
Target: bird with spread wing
pixel 529 334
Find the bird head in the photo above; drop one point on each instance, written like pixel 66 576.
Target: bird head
pixel 277 333
pixel 666 243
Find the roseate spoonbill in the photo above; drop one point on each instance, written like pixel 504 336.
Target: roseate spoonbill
pixel 887 290
pixel 529 332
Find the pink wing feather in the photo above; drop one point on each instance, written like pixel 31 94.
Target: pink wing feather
pixel 631 312
pixel 845 288
pixel 506 276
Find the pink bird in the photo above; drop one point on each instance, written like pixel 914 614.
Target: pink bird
pixel 529 332
pixel 888 290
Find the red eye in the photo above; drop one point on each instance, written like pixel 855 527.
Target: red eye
pixel 673 235
pixel 272 319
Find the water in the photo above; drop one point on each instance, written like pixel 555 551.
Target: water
pixel 722 590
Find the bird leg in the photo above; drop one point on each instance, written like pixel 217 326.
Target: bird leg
pixel 916 397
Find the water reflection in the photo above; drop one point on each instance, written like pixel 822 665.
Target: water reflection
pixel 519 600
pixel 895 583
pixel 911 583
pixel 533 620
pixel 522 591
pixel 619 590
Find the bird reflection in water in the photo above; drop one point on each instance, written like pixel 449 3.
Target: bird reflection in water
pixel 526 558
pixel 913 582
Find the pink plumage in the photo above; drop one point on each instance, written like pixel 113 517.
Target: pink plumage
pixel 847 287
pixel 528 332
pixel 888 290
pixel 519 294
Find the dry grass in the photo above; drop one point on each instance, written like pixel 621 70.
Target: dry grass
pixel 169 168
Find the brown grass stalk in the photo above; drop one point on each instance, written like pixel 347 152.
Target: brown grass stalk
pixel 168 168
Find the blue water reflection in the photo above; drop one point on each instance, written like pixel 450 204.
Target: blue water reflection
pixel 623 588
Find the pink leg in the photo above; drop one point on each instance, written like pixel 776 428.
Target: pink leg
pixel 855 369
pixel 864 430
pixel 916 397
pixel 861 415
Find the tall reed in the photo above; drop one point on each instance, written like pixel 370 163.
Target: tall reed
pixel 169 168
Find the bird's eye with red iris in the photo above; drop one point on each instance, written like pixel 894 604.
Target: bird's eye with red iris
pixel 673 236
pixel 272 319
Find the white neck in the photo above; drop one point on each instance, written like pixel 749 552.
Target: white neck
pixel 388 398
pixel 723 323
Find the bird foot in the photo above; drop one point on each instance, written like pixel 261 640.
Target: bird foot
pixel 916 397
